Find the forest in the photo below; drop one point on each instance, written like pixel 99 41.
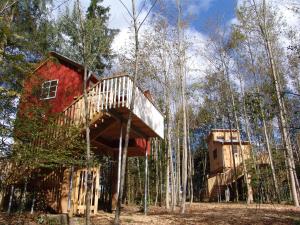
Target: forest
pixel 241 77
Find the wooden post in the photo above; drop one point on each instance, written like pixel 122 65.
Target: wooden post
pixel 70 189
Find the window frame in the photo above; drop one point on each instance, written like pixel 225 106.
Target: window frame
pixel 49 89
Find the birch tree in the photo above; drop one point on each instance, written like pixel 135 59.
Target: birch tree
pixel 136 28
pixel 86 40
pixel 267 35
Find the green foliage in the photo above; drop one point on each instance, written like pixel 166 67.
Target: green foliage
pixel 21 23
pixel 87 37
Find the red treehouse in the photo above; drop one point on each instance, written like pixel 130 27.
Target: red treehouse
pixel 60 81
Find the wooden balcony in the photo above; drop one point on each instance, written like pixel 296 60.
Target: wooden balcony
pixel 109 107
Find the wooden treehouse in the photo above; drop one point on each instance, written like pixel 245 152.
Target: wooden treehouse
pixel 224 156
pixel 109 106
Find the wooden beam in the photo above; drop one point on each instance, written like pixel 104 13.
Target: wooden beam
pixel 96 132
pixel 104 148
pixel 122 119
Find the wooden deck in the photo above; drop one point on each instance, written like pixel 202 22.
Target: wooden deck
pixel 109 107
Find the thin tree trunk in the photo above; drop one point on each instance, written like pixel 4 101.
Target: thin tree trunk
pixel 167 179
pixel 282 116
pixel 170 168
pixel 178 162
pixel 265 132
pixel 160 173
pixel 119 159
pixel 146 183
pixel 234 164
pixel 32 204
pixel 10 199
pixel 23 198
pixel 247 178
pixel 270 158
pixel 156 172
pixel 88 149
pixel 183 99
pixel 124 156
pixel 190 167
pixel 139 175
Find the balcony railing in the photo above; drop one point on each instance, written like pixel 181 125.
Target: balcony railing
pixel 113 93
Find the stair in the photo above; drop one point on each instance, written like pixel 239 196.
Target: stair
pixel 216 191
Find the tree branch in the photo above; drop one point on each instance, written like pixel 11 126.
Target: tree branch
pixel 7 6
pixel 147 14
pixel 128 11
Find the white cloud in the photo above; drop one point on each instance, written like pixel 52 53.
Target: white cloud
pixel 195 6
pixel 119 17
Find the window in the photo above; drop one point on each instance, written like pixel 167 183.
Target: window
pixel 215 154
pixel 49 89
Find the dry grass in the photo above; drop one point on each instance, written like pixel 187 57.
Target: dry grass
pixel 197 213
pixel 208 214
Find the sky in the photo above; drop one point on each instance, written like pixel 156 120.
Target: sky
pixel 198 13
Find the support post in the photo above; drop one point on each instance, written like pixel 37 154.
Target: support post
pixel 70 191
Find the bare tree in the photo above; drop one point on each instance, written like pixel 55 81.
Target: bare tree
pixel 134 16
pixel 266 33
pixel 182 77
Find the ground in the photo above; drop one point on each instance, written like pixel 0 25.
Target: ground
pixel 197 213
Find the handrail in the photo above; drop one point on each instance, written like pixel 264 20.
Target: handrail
pixel 112 93
pixel 108 78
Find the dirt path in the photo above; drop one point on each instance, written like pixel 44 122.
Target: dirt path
pixel 198 213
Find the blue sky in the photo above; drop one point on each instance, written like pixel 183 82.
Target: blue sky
pixel 198 12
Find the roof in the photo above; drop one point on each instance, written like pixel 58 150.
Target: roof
pixel 65 59
pixel 224 130
pixel 234 142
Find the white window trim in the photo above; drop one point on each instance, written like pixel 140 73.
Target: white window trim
pixel 49 89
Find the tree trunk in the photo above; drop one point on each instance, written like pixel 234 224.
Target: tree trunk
pixel 160 173
pixel 170 168
pixel 183 99
pixel 245 170
pixel 88 149
pixel 265 131
pixel 146 183
pixel 124 156
pixel 167 179
pixel 234 164
pixel 156 172
pixel 190 165
pixel 178 172
pixel 10 199
pixel 282 118
pixel 119 159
